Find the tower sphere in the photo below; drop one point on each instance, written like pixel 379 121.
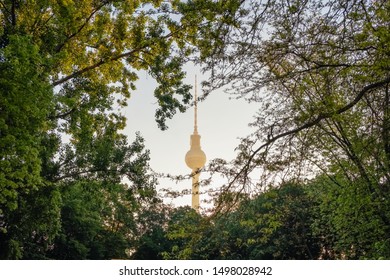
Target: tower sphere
pixel 195 157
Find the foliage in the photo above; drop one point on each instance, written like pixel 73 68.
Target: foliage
pixel 99 212
pixel 319 72
pixel 91 226
pixel 23 117
pixel 190 236
pixel 348 222
pixel 274 225
pixel 72 187
pixel 151 225
pixel 278 225
pixel 67 69
pixel 316 220
pixel 29 231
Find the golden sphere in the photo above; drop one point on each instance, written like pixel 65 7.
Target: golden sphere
pixel 195 158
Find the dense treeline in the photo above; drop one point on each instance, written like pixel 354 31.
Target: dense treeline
pixel 73 187
pixel 293 221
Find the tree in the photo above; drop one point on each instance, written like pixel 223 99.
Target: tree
pixel 85 215
pixel 24 109
pixel 67 67
pixel 320 74
pixel 150 240
pixel 99 213
pixel 191 236
pixel 346 220
pixel 276 224
pixel 26 100
pixel 92 226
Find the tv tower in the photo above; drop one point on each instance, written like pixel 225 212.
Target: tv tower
pixel 195 157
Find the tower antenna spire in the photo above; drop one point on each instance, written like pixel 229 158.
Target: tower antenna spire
pixel 196 107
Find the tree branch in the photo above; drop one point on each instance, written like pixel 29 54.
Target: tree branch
pixel 96 65
pixel 5 7
pixel 60 46
pixel 318 119
pixel 104 61
pixel 63 115
pixel 13 13
pixel 386 127
pixel 78 173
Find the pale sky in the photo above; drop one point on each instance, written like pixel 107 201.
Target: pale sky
pixel 220 122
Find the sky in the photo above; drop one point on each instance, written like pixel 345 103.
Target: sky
pixel 221 120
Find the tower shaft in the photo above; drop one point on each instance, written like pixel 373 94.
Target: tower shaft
pixel 195 190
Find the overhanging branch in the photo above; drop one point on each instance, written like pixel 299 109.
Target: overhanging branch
pixel 94 66
pixel 318 119
pixel 107 60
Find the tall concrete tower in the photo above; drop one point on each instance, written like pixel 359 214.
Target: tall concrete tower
pixel 195 157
